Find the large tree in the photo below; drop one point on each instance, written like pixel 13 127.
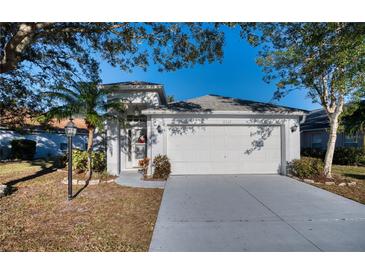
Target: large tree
pixel 36 56
pixel 326 59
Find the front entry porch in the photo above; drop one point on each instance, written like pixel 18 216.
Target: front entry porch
pixel 136 146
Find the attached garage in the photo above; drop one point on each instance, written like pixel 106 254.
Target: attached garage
pixel 221 149
pixel 210 134
pixel 222 135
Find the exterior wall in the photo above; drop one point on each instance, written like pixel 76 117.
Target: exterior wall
pixel 307 138
pixel 157 142
pixel 117 146
pixel 113 148
pixel 117 140
pixel 48 144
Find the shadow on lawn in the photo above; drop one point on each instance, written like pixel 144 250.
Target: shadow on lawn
pixel 81 189
pixel 45 170
pixel 11 185
pixel 355 176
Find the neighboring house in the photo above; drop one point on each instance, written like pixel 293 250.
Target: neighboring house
pixel 314 133
pixel 211 134
pixel 51 140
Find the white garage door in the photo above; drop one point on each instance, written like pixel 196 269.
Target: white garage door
pixel 224 149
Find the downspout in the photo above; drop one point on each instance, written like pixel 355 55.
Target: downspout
pixel 302 121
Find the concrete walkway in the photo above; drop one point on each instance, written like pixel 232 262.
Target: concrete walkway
pixel 255 213
pixel 134 179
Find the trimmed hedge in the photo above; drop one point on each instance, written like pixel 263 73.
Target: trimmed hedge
pixel 23 149
pixel 341 156
pixel 306 167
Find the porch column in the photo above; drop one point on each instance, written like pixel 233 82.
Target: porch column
pixel 149 143
pixel 113 147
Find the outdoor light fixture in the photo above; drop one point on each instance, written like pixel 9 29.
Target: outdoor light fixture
pixel 137 112
pixel 294 128
pixel 70 131
pixel 159 129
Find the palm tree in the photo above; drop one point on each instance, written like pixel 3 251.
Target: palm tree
pixel 87 100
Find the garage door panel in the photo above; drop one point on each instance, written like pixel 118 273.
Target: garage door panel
pixel 224 149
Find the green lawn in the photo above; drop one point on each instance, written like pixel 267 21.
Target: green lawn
pixel 351 172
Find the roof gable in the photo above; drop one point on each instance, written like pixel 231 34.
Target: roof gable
pixel 133 87
pixel 212 102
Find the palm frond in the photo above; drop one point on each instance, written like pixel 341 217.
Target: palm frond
pixel 64 98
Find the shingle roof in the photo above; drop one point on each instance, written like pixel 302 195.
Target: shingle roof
pixel 214 102
pixel 133 83
pixel 316 119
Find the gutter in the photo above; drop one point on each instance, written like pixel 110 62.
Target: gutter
pixel 207 112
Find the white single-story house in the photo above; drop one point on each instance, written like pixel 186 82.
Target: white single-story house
pixel 51 141
pixel 210 134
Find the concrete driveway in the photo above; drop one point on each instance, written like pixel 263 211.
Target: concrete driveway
pixel 255 213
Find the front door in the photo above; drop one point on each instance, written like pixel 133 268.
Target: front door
pixel 137 139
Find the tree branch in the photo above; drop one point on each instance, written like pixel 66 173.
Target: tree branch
pixel 13 49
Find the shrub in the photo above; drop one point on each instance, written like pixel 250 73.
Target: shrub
pixel 162 167
pixel 99 161
pixel 362 161
pixel 60 161
pixel 341 156
pixel 144 165
pixel 313 152
pixel 306 167
pixel 79 161
pixel 348 156
pixel 23 149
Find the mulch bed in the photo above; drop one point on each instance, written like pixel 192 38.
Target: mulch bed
pixel 103 217
pixel 356 192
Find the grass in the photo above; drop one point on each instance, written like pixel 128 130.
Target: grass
pixel 22 167
pixel 352 173
pixel 103 217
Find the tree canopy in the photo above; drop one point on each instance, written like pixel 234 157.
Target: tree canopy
pixel 37 56
pixel 353 118
pixel 325 59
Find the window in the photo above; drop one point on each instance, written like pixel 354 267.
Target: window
pixel 63 146
pixel 129 145
pixel 316 141
pixel 85 146
pixel 350 140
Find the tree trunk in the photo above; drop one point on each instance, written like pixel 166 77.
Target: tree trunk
pixel 15 47
pixel 331 145
pixel 90 141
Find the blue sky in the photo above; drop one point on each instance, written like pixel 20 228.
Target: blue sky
pixel 237 76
